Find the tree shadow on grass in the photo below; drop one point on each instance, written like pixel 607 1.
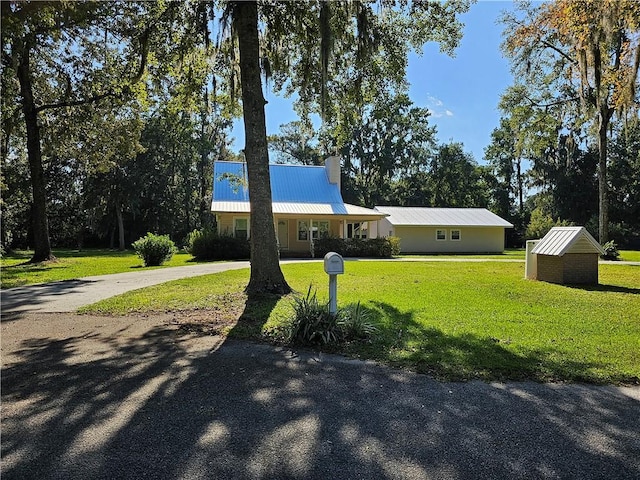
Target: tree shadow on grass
pixel 605 288
pixel 468 356
pixel 257 309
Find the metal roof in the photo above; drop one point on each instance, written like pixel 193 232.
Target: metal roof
pixel 442 217
pixel 301 209
pixel 562 240
pixel 289 184
pixel 295 189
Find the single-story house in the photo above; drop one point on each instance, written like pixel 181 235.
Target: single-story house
pixel 443 230
pixel 306 202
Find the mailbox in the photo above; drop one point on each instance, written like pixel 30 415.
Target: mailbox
pixel 333 263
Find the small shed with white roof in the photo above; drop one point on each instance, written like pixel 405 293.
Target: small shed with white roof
pixel 567 255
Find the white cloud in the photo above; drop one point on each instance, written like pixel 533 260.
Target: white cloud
pixel 436 109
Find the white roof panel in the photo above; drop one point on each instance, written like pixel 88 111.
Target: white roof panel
pixel 295 208
pixel 561 240
pixel 442 217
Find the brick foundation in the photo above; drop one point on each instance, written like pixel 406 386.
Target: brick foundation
pixel 571 268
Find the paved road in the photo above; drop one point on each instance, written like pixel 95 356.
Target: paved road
pixel 101 398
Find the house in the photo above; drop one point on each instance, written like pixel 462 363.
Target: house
pixel 443 230
pixel 566 255
pixel 306 203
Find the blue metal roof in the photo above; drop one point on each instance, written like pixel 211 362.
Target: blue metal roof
pixel 289 184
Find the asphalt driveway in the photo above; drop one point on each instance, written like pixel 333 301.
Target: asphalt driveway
pixel 92 397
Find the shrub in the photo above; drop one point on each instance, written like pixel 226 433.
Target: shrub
pixel 610 251
pixel 313 324
pixel 355 322
pixel 357 247
pixel 207 244
pixel 154 249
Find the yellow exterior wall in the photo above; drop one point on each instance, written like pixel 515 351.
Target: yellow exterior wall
pixel 472 239
pixel 225 227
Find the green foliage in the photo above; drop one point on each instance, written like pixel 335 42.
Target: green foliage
pixel 357 247
pixel 312 323
pixel 207 244
pixel 154 249
pixel 356 322
pixel 541 223
pixel 610 251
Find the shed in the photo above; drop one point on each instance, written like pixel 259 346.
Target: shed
pixel 567 255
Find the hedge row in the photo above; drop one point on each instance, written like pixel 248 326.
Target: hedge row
pixel 356 247
pixel 209 245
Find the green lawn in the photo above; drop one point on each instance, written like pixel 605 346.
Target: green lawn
pixel 630 255
pixel 450 319
pixel 75 264
pixel 509 254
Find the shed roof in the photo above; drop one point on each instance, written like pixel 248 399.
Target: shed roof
pixel 442 217
pixel 562 240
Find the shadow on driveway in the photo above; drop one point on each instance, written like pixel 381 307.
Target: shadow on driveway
pixel 160 403
pixel 30 296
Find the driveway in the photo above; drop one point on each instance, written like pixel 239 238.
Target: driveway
pixel 142 397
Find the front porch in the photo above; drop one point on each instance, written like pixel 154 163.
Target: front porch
pixel 295 234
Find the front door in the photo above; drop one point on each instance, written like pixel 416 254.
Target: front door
pixel 283 234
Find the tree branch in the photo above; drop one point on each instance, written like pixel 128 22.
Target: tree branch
pixel 552 104
pixel 556 49
pixel 75 103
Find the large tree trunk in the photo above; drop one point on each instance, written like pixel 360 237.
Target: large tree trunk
pixel 120 221
pixel 42 245
pixel 603 186
pixel 266 275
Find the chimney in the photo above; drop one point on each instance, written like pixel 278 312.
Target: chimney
pixel 332 167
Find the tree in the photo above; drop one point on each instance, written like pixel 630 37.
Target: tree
pixel 591 51
pixel 306 46
pixel 456 179
pixel 625 184
pixel 393 141
pixel 266 275
pixel 65 55
pixel 295 144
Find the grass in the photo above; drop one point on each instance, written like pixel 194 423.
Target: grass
pixel 630 255
pixel 71 264
pixel 508 254
pixel 453 320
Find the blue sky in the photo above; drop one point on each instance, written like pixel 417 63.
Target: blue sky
pixel 462 92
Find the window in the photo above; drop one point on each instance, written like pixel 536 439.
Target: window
pixel 319 229
pixel 241 227
pixel 455 235
pixel 303 231
pixel 441 235
pixel 357 230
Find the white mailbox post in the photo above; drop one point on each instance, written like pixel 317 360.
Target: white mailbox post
pixel 333 265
